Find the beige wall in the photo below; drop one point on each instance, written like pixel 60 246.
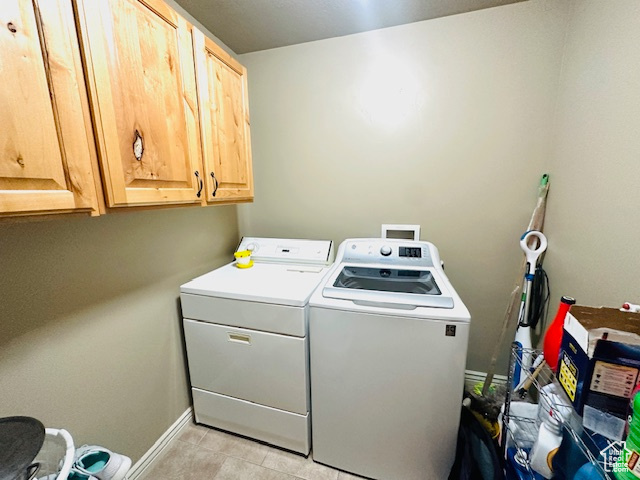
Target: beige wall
pixel 90 336
pixel 593 211
pixel 445 123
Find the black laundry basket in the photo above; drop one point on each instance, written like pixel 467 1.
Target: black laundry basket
pixel 477 455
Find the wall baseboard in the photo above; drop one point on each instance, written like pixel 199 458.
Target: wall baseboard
pixel 141 465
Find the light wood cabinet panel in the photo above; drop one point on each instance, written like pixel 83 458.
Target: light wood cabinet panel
pixel 47 157
pixel 224 122
pixel 140 71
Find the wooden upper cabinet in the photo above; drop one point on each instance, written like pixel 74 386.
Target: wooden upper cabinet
pixel 47 157
pixel 224 122
pixel 140 72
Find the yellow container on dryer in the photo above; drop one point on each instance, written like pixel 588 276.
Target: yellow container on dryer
pixel 243 259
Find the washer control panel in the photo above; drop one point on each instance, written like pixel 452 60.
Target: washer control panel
pixel 385 250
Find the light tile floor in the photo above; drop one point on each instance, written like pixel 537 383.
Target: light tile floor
pixel 204 453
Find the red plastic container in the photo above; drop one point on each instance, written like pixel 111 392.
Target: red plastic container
pixel 553 336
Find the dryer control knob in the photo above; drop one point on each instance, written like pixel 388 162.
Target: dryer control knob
pixel 385 250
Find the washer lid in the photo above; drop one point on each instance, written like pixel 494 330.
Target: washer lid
pixel 283 284
pixel 404 287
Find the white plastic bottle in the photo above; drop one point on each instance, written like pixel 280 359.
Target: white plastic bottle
pixel 552 413
pixel 546 446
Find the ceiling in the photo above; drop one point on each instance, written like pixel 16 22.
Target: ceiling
pixel 252 25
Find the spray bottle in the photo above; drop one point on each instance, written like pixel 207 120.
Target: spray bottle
pixel 553 336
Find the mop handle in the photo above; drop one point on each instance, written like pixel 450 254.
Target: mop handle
pixel 532 254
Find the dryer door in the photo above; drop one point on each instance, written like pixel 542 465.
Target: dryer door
pixel 259 367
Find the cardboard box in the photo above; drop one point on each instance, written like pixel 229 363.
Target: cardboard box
pixel 599 366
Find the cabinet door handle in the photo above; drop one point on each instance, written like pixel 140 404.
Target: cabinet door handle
pixel 200 184
pixel 215 184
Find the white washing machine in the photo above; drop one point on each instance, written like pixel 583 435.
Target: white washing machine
pixel 388 347
pixel 246 338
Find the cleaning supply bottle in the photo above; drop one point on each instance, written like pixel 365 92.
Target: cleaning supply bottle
pixel 630 413
pixel 628 465
pixel 552 413
pixel 546 446
pixel 553 336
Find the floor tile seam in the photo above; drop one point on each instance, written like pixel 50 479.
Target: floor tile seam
pixel 261 464
pixel 204 434
pixel 296 475
pixel 276 450
pixel 228 456
pixel 165 452
pixel 293 477
pixel 225 455
pixel 192 443
pixel 232 456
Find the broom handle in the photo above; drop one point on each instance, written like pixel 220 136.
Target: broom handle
pixel 536 223
pixel 532 377
pixel 514 300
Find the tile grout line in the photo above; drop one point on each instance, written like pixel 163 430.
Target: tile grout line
pixel 293 477
pixel 227 455
pixel 249 442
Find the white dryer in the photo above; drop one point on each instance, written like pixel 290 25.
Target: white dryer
pixel 246 338
pixel 388 346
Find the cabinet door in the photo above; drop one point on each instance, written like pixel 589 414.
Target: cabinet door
pixel 224 122
pixel 46 144
pixel 141 79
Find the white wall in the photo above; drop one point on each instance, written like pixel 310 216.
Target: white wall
pixel 447 123
pixel 593 212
